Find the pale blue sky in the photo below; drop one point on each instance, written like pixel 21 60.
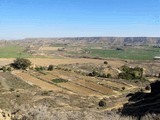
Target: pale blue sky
pixel 69 18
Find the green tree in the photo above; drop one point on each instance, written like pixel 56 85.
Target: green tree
pixel 50 67
pixel 21 63
pixel 4 69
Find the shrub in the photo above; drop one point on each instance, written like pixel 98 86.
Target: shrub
pixel 50 67
pixel 9 69
pixel 123 88
pixel 11 89
pixel 105 62
pixel 109 75
pixel 4 69
pixel 17 96
pixel 102 103
pixel 45 93
pixel 102 75
pixel 40 68
pixel 147 87
pixel 21 63
pixel 94 73
pixel 90 74
pixel 131 73
pixel 59 80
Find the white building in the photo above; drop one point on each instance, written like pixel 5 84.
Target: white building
pixel 157 58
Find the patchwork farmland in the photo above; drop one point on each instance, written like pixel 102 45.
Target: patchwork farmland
pixel 79 84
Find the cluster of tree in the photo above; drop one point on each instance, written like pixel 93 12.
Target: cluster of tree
pixel 131 73
pixel 21 63
pixel 97 74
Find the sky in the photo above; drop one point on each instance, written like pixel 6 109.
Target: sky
pixel 79 18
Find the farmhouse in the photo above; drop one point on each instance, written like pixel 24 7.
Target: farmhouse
pixel 157 58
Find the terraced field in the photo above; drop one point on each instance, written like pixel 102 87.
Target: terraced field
pixel 95 87
pixel 71 86
pixel 32 80
pixel 115 84
pixel 76 83
pixel 79 89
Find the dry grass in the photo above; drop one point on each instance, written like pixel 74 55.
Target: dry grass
pixel 95 87
pixel 50 48
pixel 78 89
pixel 48 61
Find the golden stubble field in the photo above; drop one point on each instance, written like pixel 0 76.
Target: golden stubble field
pixel 48 61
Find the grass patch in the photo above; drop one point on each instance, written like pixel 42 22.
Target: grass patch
pixel 13 51
pixel 59 80
pixel 131 53
pixel 57 45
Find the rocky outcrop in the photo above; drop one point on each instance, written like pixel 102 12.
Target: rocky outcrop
pixel 144 106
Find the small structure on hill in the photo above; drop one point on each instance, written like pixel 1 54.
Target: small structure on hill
pixel 157 58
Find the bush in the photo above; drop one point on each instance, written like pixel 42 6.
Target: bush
pixel 105 62
pixel 59 80
pixel 109 75
pixel 12 89
pixel 90 74
pixel 40 68
pixel 147 87
pixel 45 93
pixel 50 67
pixel 102 103
pixel 95 73
pixel 9 69
pixel 21 63
pixel 131 73
pixel 17 96
pixel 4 69
pixel 123 88
pixel 102 75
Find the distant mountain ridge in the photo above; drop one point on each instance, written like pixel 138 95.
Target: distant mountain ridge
pixel 153 41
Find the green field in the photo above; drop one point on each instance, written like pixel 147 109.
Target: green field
pixel 131 53
pixel 13 51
